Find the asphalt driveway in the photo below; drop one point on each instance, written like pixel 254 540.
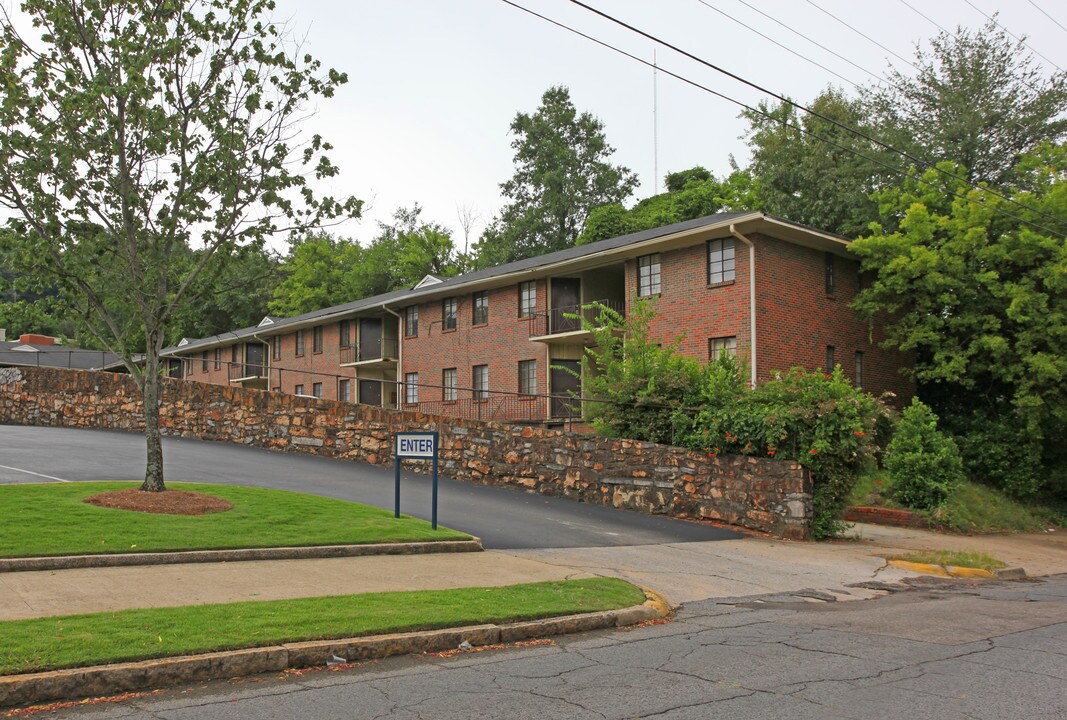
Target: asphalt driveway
pixel 503 518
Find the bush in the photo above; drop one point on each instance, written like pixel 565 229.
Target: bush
pixel 1000 451
pixel 924 462
pixel 817 419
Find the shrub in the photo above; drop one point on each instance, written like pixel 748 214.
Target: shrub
pixel 817 419
pixel 998 450
pixel 924 462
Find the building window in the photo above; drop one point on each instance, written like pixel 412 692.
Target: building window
pixel 449 382
pixel 527 298
pixel 218 358
pixel 411 387
pixel 448 313
pixel 316 389
pixel 722 346
pixel 344 390
pixel 275 347
pixel 481 308
pixel 527 377
pixel 299 343
pixel 411 321
pixel 859 369
pixel 830 361
pixel 192 366
pixel 720 261
pixel 299 390
pixel 316 339
pixel 648 275
pixel 344 332
pixel 829 273
pixel 480 382
pixel 233 353
pixel 203 362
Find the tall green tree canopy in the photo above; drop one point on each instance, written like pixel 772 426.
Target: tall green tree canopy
pixel 691 194
pixel 132 130
pixel 978 99
pixel 561 174
pixel 802 177
pixel 322 270
pixel 980 301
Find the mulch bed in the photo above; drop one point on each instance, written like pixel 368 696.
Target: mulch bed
pixel 168 502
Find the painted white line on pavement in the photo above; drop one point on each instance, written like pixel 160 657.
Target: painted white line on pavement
pixel 30 472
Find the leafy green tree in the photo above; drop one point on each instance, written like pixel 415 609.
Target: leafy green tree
pixel 316 274
pixel 978 99
pixel 980 301
pixel 923 461
pixel 802 177
pixel 561 174
pixel 691 194
pixel 131 130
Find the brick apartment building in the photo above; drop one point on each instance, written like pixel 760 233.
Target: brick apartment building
pixel 501 343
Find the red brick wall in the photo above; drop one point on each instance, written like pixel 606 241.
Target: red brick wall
pixel 689 306
pixel 796 318
pixel 501 344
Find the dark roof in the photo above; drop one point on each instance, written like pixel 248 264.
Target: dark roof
pixel 528 264
pixel 56 356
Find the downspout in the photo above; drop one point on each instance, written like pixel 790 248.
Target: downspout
pixel 751 298
pixel 399 354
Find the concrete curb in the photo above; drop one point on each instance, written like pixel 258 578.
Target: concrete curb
pixel 74 683
pixel 1015 573
pixel 66 562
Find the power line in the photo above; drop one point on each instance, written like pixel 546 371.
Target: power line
pixel 772 40
pixel 813 42
pixel 815 113
pixel 993 19
pixel 860 32
pixel 1047 15
pixel 936 24
pixel 799 128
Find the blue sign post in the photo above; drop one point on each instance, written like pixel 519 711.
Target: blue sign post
pixel 420 445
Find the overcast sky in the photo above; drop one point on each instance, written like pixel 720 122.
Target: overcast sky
pixel 435 84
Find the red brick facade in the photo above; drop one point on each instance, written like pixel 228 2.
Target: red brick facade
pixel 798 318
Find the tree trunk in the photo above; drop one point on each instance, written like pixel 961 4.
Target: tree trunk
pixel 150 392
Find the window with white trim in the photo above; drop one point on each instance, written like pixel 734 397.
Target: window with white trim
pixel 721 267
pixel 449 383
pixel 411 387
pixel 527 377
pixel 527 298
pixel 480 382
pixel 648 275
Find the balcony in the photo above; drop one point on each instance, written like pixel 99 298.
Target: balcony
pixel 567 324
pixel 371 353
pixel 243 372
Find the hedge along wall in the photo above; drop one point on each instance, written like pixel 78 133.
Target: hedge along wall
pixel 760 494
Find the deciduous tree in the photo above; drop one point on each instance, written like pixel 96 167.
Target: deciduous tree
pixel 131 130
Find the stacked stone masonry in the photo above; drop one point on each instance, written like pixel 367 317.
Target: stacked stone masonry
pixel 758 494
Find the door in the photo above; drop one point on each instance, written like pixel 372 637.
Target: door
pixel 566 300
pixel 370 341
pixel 254 360
pixel 565 382
pixel 370 392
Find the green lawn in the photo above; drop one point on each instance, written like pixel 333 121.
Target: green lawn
pixel 971 508
pixel 52 520
pixel 99 638
pixel 952 558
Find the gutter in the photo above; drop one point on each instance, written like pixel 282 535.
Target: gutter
pixel 751 298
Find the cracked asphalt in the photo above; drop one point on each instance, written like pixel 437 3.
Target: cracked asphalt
pixel 931 647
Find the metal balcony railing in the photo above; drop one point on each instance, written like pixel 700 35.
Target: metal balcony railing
pixel 244 371
pixel 568 318
pixel 384 349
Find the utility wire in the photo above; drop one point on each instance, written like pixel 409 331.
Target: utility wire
pixel 933 22
pixel 993 19
pixel 1047 15
pixel 815 113
pixel 813 42
pixel 860 32
pixel 799 128
pixel 772 40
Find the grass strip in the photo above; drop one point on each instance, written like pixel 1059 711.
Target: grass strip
pixel 100 638
pixel 952 558
pixel 51 519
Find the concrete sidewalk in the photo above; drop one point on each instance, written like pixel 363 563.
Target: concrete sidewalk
pixel 67 592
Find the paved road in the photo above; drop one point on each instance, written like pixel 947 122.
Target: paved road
pixel 503 518
pixel 954 651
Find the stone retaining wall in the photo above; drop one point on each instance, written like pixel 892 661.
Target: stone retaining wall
pixel 760 494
